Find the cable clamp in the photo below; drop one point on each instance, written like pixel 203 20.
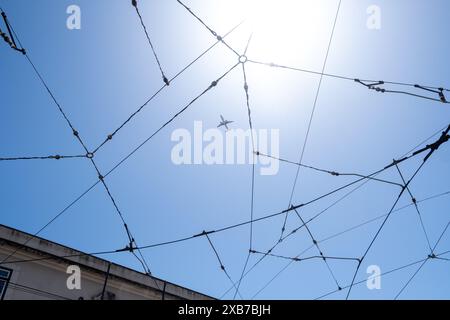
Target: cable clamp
pixel 373 85
pixel 439 92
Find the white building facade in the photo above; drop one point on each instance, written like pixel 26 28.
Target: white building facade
pixel 38 269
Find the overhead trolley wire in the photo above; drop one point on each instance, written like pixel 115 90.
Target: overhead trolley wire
pixel 10 37
pixel 316 244
pixel 279 272
pixel 414 201
pixel 440 238
pixel 269 216
pixel 311 118
pixel 431 148
pixel 211 86
pixel 432 255
pixel 411 278
pixel 374 85
pixel 380 275
pixel 77 135
pixel 243 60
pixel 119 128
pixel 297 259
pixel 405 156
pixel 214 33
pixel 166 243
pixel 135 5
pixel 52 157
pixel 132 246
pixel 222 267
pixel 381 216
pixel 333 173
pixel 295 230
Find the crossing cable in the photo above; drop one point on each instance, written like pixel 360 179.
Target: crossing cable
pixel 319 249
pixel 222 267
pixel 208 232
pixel 243 60
pixel 370 84
pixel 279 272
pixel 430 256
pixel 404 157
pixel 61 111
pixel 414 201
pixel 302 153
pixel 111 136
pixel 381 216
pixel 132 246
pixel 412 277
pixel 253 251
pixel 380 228
pixel 214 33
pixel 294 231
pixel 264 217
pixel 211 86
pixel 269 216
pixel 268 253
pixel 354 227
pixel 44 83
pixel 297 259
pixel 333 173
pixel 381 274
pixel 52 157
pixel 89 154
pixel 363 224
pixel 45 226
pixel 135 5
pixel 71 204
pixel 432 148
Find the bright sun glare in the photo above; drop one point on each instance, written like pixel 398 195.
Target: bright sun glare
pixel 285 31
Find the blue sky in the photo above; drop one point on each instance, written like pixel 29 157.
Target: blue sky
pixel 103 72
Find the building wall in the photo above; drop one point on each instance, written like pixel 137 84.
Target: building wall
pixel 47 278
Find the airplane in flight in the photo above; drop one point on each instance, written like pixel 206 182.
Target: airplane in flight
pixel 224 123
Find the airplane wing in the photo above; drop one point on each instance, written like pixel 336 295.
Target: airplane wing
pixel 221 117
pixel 221 124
